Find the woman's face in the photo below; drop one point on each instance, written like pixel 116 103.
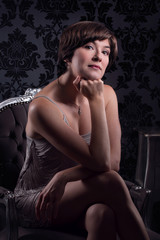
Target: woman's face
pixel 91 60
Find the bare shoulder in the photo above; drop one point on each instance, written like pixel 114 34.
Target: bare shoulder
pixel 42 112
pixel 41 100
pixel 109 94
pixel 37 106
pixel 43 107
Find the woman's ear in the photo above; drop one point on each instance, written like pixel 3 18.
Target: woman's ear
pixel 67 60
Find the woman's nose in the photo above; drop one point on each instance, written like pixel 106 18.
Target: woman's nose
pixel 97 57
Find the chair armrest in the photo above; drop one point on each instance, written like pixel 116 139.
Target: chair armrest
pixel 7 198
pixel 140 197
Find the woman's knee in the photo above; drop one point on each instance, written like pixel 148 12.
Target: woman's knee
pixel 98 216
pixel 112 177
pixel 115 187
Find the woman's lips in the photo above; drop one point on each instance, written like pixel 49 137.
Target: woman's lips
pixel 95 67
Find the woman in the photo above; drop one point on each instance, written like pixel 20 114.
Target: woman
pixel 73 150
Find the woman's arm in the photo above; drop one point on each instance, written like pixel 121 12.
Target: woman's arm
pixel 100 145
pixel 114 127
pixel 106 129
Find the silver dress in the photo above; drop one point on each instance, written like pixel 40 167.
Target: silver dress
pixel 42 162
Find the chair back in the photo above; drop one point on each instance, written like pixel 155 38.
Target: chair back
pixel 13 119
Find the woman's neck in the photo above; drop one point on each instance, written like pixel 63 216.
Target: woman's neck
pixel 67 92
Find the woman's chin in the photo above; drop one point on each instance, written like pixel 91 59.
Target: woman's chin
pixel 94 78
pixel 91 77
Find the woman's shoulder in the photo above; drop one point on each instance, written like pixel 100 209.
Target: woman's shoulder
pixel 42 99
pixel 43 107
pixel 37 103
pixel 108 88
pixel 109 93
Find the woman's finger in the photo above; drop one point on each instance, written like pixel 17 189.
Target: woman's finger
pixel 37 207
pixel 41 206
pixel 76 83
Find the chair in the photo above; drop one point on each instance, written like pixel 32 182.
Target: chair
pixel 13 118
pixel 148 171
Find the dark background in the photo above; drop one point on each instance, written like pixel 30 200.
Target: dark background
pixel 29 33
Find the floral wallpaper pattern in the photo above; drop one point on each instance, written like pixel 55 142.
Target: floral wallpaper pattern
pixel 29 33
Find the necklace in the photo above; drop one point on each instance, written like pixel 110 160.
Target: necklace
pixel 77 106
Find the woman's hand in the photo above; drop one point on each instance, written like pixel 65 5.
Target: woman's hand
pixel 89 88
pixel 49 199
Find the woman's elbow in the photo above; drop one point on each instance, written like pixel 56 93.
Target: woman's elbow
pixel 112 163
pixel 116 168
pixel 98 167
pixel 107 167
pixel 103 166
pixel 115 165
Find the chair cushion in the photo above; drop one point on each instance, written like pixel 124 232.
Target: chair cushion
pixel 12 143
pixel 13 119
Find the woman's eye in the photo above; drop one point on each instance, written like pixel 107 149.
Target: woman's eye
pixel 88 47
pixel 106 53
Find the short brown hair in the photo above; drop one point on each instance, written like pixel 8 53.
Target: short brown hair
pixel 77 35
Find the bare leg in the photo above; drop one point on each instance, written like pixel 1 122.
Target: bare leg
pixel 107 188
pixel 100 222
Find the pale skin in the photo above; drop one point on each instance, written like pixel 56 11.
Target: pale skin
pixel 92 192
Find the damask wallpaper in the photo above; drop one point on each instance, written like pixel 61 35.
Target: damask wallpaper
pixel 29 33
